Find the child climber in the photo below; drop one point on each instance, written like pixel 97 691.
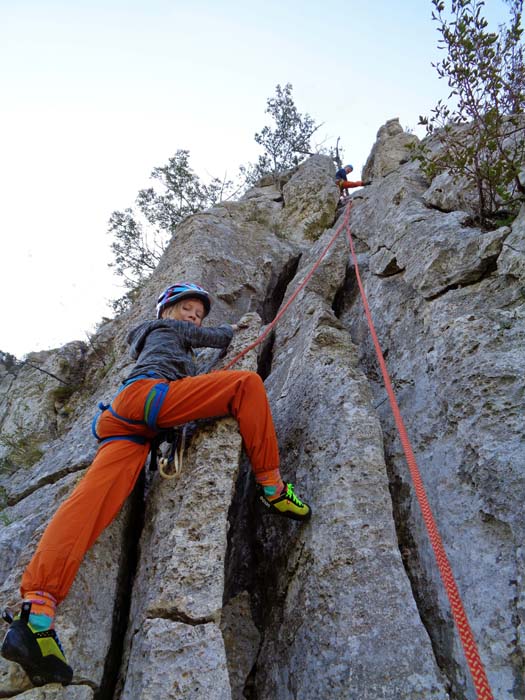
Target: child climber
pixel 162 391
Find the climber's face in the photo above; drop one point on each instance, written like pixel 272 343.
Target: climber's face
pixel 348 170
pixel 191 310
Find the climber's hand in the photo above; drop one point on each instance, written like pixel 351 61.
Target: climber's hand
pixel 239 326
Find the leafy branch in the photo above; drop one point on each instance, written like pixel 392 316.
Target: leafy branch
pixel 481 129
pixel 287 141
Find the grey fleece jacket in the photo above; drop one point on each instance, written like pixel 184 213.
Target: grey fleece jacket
pixel 165 347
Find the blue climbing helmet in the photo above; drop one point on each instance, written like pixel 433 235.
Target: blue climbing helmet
pixel 349 166
pixel 182 290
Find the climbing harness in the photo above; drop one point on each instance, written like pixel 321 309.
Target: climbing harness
pixel 169 465
pixel 152 406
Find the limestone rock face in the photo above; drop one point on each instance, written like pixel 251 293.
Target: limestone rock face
pixel 450 318
pixel 310 197
pixel 242 640
pixel 336 627
pixel 46 380
pixel 194 591
pixel 449 194
pixel 512 259
pixel 55 691
pixel 389 151
pixel 182 661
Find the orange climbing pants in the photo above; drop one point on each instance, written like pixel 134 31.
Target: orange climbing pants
pixel 100 494
pixel 345 184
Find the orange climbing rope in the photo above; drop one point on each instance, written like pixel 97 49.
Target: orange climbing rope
pixel 475 664
pixel 479 677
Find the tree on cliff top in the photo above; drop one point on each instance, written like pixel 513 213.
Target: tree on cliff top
pixel 482 136
pixel 286 142
pixel 141 233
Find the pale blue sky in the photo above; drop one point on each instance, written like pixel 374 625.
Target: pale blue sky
pixel 95 94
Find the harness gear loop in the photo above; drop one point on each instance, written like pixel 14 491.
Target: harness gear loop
pixel 476 668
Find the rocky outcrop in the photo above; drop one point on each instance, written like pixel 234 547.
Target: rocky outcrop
pixel 56 692
pixel 512 259
pixel 192 591
pixel 334 619
pixel 389 152
pixel 448 193
pixel 49 380
pixel 310 197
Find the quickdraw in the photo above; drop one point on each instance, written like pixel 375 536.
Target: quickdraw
pixel 169 461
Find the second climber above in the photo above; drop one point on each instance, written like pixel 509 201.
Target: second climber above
pixel 344 183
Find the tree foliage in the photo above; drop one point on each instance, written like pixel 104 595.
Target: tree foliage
pixel 182 193
pixel 9 361
pixel 287 141
pixel 135 253
pixel 141 233
pixel 481 129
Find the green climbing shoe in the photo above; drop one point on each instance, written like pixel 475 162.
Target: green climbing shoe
pixel 286 504
pixel 39 653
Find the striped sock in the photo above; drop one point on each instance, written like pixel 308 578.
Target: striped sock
pixel 43 607
pixel 274 491
pixel 271 482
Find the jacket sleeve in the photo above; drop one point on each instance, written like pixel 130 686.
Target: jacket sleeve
pixel 137 337
pixel 198 337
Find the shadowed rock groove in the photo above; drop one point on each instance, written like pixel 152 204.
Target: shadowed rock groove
pixel 440 631
pixel 244 550
pixel 126 576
